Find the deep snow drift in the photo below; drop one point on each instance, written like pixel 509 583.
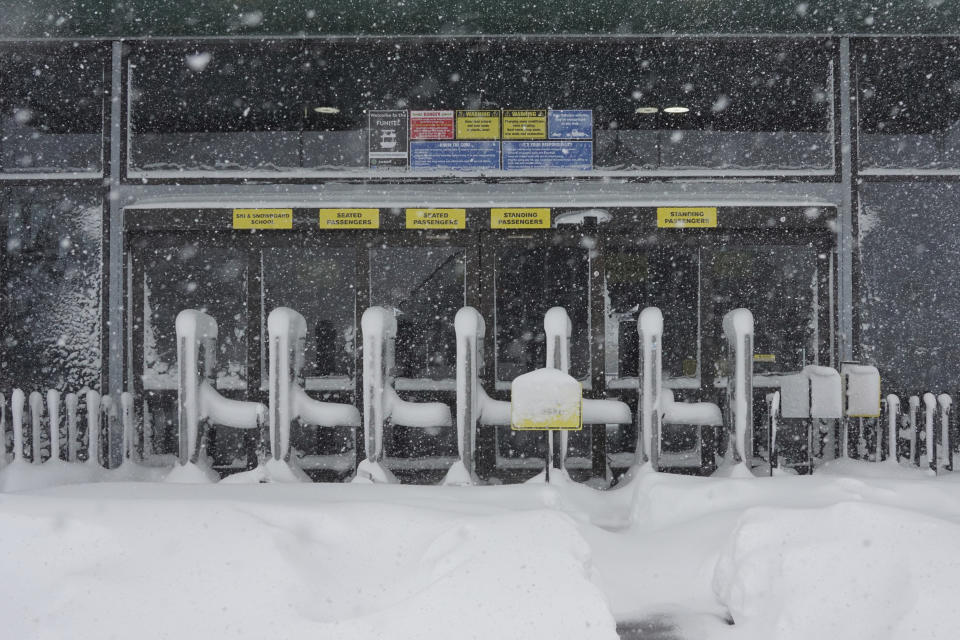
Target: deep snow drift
pixel 856 551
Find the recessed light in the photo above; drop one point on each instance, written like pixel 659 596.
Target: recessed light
pixel 646 110
pixel 676 109
pixel 327 110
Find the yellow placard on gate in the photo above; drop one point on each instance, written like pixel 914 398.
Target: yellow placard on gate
pixel 349 218
pixel 524 125
pixel 436 218
pixel 520 218
pixel 764 357
pixel 478 125
pixel 686 217
pixel 263 218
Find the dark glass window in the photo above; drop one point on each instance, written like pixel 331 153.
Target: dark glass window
pixel 50 271
pixel 320 285
pixel 909 104
pixel 216 106
pixel 344 80
pixel 51 109
pixel 426 287
pixel 532 278
pixel 194 275
pixel 675 104
pixel 663 277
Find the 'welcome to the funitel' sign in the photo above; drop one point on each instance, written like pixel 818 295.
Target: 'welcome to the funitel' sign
pixel 480 140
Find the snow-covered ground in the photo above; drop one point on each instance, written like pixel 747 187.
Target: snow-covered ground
pixel 858 550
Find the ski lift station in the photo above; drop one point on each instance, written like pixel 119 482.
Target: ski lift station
pixel 323 244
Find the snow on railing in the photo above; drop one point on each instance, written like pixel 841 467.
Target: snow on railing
pixel 929 417
pixel 381 404
pixel 44 415
pixel 198 402
pixel 944 458
pixel 914 426
pixel 892 407
pixel 649 411
pixel 289 402
pixel 470 330
pixel 558 329
pixel 738 331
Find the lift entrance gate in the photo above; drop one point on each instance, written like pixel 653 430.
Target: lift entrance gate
pixel 512 264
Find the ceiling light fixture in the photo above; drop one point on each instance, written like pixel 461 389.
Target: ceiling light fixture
pixel 330 111
pixel 676 110
pixel 646 110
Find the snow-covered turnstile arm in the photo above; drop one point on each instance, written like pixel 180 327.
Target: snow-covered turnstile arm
pixel 945 448
pixel 558 329
pixel 381 404
pixel 471 330
pixel 650 408
pixel 861 397
pixel 738 331
pixel 198 401
pixel 893 428
pixel 287 331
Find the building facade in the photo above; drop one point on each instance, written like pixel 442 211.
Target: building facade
pixel 803 166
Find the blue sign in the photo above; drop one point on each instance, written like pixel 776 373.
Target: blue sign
pixel 460 155
pixel 569 124
pixel 547 154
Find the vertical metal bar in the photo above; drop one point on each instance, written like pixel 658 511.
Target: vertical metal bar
pixel 845 226
pixel 115 298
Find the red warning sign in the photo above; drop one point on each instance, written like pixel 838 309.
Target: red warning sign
pixel 431 125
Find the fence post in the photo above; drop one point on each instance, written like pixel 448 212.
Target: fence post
pixel 93 402
pixel 71 402
pixel 53 413
pixel 35 408
pixel 893 429
pixel 17 401
pixel 929 409
pixel 945 448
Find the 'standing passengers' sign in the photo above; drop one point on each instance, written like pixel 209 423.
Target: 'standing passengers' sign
pixel 520 218
pixel 686 217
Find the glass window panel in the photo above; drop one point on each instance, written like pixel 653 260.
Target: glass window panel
pixel 909 104
pixel 51 109
pixel 426 286
pixel 194 275
pixel 346 79
pixel 779 284
pixel 319 284
pixel 760 105
pixel 663 277
pixel 50 272
pixel 216 106
pixel 909 252
pixel 532 278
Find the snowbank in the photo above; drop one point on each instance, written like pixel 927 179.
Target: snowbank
pixel 852 571
pixel 170 565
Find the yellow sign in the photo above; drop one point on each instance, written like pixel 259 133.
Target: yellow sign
pixel 436 218
pixel 524 125
pixel 686 217
pixel 513 218
pixel 349 218
pixel 546 400
pixel 263 218
pixel 478 125
pixel 764 357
